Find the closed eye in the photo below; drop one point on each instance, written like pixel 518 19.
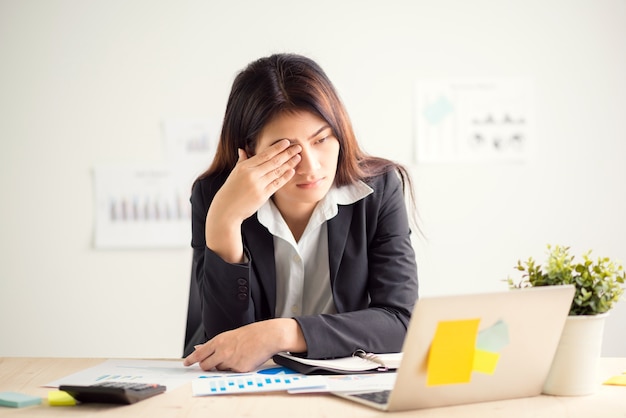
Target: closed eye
pixel 326 136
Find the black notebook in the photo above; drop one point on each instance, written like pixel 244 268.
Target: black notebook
pixel 359 362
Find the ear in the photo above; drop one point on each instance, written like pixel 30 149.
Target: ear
pixel 248 150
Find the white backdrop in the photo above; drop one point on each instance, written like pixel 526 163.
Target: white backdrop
pixel 84 83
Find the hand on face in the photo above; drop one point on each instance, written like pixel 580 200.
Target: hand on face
pixel 255 179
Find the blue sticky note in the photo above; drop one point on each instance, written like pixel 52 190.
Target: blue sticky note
pixel 18 400
pixel 494 338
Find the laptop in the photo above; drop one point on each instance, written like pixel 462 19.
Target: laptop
pixel 475 348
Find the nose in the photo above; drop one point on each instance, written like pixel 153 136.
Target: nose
pixel 309 162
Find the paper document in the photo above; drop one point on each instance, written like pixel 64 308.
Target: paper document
pixel 170 373
pixel 255 382
pixel 353 383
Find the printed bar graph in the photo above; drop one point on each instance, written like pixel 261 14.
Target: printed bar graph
pixel 141 207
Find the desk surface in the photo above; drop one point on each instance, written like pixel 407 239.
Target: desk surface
pixel 26 375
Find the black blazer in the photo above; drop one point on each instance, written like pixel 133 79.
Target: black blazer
pixel 373 274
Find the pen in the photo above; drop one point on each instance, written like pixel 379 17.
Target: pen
pixel 373 358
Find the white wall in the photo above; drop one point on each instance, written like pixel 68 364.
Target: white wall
pixel 88 82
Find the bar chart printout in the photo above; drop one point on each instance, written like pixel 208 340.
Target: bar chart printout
pixel 140 207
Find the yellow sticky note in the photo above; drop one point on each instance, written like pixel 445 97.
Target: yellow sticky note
pixel 60 398
pixel 485 361
pixel 451 356
pixel 617 380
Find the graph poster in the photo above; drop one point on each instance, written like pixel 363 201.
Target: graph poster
pixel 473 120
pixel 146 205
pixel 140 207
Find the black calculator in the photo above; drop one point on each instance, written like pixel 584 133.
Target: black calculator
pixel 113 392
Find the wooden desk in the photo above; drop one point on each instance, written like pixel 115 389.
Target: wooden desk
pixel 26 375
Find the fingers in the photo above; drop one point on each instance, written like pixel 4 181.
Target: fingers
pixel 201 352
pixel 234 350
pixel 272 151
pixel 280 181
pixel 276 156
pixel 204 355
pixel 278 176
pixel 274 166
pixel 283 169
pixel 209 359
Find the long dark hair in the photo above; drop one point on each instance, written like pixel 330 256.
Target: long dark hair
pixel 288 83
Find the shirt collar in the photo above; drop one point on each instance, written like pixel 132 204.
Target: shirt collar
pixel 326 209
pixel 344 195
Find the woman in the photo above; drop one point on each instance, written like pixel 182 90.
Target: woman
pixel 301 241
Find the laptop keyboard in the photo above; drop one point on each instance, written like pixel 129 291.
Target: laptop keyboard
pixel 381 397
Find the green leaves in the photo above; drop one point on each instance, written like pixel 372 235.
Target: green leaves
pixel 599 283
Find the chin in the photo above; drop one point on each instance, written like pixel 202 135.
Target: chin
pixel 304 196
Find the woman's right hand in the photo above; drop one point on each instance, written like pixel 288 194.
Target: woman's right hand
pixel 251 183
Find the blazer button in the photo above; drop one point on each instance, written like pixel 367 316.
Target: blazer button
pixel 242 296
pixel 241 281
pixel 243 289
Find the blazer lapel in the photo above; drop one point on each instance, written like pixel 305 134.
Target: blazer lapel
pixel 260 243
pixel 337 236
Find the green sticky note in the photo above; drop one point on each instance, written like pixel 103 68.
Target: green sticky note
pixel 18 400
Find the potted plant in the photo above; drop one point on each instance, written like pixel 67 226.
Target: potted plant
pixel 598 286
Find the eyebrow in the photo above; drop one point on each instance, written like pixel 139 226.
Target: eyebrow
pixel 320 130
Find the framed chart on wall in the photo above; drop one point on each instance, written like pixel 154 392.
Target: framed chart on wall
pixel 140 206
pixel 461 120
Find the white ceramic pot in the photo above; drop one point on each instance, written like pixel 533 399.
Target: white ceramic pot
pixel 574 370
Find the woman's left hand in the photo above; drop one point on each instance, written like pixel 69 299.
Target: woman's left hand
pixel 246 348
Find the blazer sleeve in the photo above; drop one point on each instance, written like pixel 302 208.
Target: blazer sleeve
pixel 224 288
pixel 376 284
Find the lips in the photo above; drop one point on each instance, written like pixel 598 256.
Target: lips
pixel 310 184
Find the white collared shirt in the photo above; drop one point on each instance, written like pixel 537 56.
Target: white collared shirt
pixel 302 269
